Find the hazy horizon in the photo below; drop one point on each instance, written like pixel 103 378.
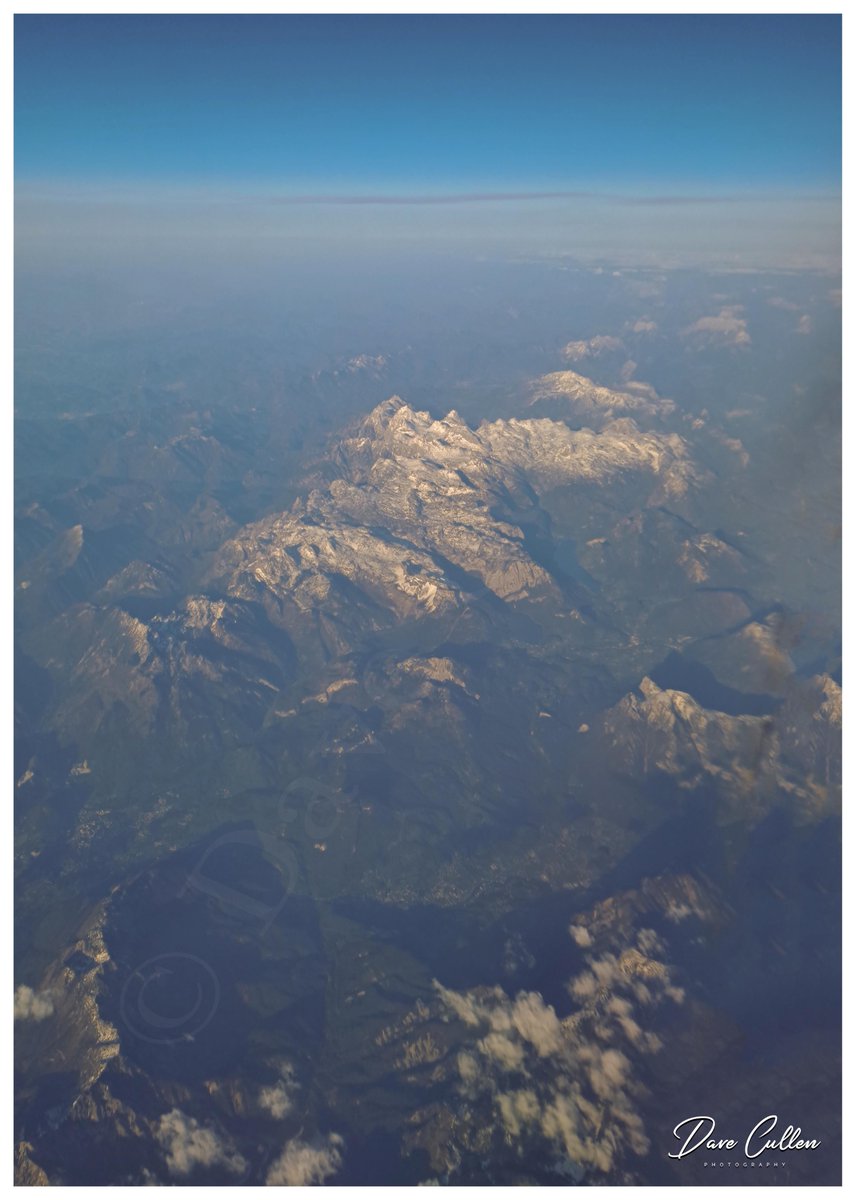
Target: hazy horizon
pixel 551 135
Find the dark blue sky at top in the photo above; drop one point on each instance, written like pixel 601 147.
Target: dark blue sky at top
pixel 374 104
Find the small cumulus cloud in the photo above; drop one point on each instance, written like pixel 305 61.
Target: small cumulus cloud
pixel 728 327
pixel 503 1050
pixel 573 1082
pixel 648 942
pixel 278 1098
pixel 518 1109
pixel 526 1018
pixel 781 302
pixel 643 325
pixel 31 1005
pixel 536 1022
pixel 804 324
pixel 188 1145
pixel 304 1164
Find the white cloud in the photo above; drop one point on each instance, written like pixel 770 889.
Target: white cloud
pixel 804 324
pixel 781 302
pixel 728 326
pixel 644 326
pixel 188 1144
pixel 278 1098
pixel 499 1047
pixel 303 1164
pixel 536 1022
pixel 572 1082
pixel 31 1005
pixel 526 1018
pixel 648 942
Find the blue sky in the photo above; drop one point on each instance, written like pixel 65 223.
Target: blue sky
pixel 416 105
